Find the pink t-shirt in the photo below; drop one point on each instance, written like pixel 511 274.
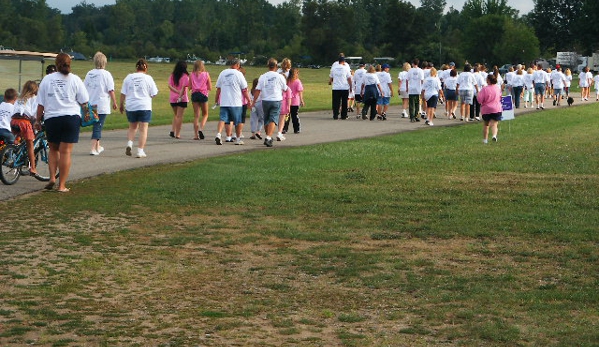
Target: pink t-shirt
pixel 183 82
pixel 296 87
pixel 286 102
pixel 199 82
pixel 490 99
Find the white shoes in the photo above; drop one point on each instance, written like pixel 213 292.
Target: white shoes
pixel 94 152
pixel 140 153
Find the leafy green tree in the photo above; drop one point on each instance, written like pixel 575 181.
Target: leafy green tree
pixel 518 44
pixel 553 21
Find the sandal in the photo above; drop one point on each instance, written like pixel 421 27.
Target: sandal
pixel 259 136
pixel 32 173
pixel 66 190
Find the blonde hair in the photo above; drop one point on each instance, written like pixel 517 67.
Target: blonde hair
pixel 286 64
pixel 530 71
pixel 407 66
pixel 198 66
pixel 29 90
pixel 433 72
pixel 371 69
pixel 568 72
pixel 100 60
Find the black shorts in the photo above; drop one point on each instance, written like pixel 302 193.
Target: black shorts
pixel 358 98
pixel 63 129
pixel 179 104
pixel 492 116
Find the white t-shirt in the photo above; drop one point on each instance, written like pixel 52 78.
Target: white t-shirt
pixel 340 73
pixel 583 79
pixel 431 87
pixel 415 79
pixel 99 83
pixel 450 82
pixel 27 108
pixel 6 112
pixel 358 80
pixel 271 86
pixel 403 78
pixel 538 76
pixel 61 95
pixel 139 88
pixel 480 80
pixel 369 79
pixel 385 79
pixel 568 80
pixel 518 80
pixel 557 79
pixel 528 82
pixel 466 81
pixel 596 81
pixel 231 83
pixel 508 78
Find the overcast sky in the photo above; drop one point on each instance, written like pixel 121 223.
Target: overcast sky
pixel 524 6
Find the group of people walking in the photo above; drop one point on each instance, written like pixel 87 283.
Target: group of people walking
pixel 422 87
pixel 274 98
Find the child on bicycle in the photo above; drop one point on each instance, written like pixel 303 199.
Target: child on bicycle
pixel 24 115
pixel 6 111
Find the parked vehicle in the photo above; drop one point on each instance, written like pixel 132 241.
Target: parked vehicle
pixel 592 62
pixel 505 68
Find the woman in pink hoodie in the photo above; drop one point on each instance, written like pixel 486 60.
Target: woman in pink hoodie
pixel 490 100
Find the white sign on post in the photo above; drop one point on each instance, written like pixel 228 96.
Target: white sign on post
pixel 508 108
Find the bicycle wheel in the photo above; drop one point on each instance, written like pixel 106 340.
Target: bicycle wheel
pixel 41 164
pixel 9 171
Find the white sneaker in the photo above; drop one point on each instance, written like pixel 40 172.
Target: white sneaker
pixel 281 137
pixel 100 149
pixel 485 141
pixel 218 140
pixel 430 123
pixel 494 138
pixel 477 118
pixel 129 147
pixel 94 152
pixel 239 142
pixel 140 153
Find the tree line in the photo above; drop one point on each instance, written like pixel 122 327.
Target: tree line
pixel 309 31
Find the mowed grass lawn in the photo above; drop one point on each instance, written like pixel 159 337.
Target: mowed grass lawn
pixel 425 238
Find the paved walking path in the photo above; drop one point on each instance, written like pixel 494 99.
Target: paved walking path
pixel 317 127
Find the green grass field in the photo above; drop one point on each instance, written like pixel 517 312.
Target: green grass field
pixel 425 238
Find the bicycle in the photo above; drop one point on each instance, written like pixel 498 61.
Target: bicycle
pixel 15 161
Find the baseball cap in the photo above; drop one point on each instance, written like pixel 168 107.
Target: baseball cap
pixel 452 64
pixel 386 66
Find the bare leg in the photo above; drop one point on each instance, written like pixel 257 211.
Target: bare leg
pixel 53 157
pixel 31 155
pixel 143 134
pixel 64 163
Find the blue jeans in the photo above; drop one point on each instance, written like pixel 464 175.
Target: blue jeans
pixel 7 136
pixel 97 131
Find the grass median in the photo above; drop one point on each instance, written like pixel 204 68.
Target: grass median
pixel 425 238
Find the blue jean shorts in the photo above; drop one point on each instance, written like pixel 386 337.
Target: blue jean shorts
pixel 539 88
pixel 230 114
pixel 467 96
pixel 383 100
pixel 143 116
pixel 271 111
